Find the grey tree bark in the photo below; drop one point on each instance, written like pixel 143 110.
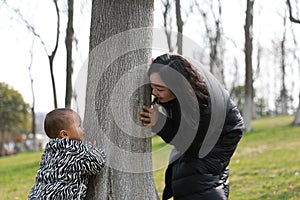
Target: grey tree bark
pixel 283 91
pixel 33 114
pixel 297 115
pixel 69 47
pixel 294 20
pixel 119 52
pixel 248 105
pixel 51 57
pixel 179 26
pixel 168 23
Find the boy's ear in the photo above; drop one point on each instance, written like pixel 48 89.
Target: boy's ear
pixel 63 134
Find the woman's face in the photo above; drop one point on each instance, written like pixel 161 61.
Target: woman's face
pixel 160 89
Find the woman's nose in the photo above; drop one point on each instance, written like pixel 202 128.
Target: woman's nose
pixel 154 92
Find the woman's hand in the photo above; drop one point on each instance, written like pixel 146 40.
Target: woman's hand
pixel 149 116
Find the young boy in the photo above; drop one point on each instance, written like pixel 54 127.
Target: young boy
pixel 66 163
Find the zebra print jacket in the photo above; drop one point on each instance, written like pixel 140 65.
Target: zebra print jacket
pixel 65 168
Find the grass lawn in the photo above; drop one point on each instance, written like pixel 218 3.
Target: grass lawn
pixel 265 166
pixel 18 174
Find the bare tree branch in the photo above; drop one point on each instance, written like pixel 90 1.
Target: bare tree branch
pixel 33 130
pixel 292 18
pixel 51 57
pixel 33 31
pixel 27 24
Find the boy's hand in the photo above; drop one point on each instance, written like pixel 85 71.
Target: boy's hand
pixel 94 144
pixel 149 116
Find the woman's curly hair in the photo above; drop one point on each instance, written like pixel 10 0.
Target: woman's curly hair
pixel 186 69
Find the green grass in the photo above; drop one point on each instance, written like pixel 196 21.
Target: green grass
pixel 18 174
pixel 266 165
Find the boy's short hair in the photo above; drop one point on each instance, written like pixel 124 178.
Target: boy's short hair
pixel 56 120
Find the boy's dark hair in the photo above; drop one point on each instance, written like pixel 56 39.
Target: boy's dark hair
pixel 56 120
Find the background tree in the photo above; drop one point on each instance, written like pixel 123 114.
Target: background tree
pixel 69 47
pixel 111 58
pixel 179 26
pixel 33 115
pixel 212 20
pixel 14 113
pixel 283 91
pixel 51 55
pixel 248 104
pixel 293 19
pixel 167 5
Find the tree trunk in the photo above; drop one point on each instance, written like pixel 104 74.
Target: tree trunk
pixel 214 35
pixel 294 20
pixel 297 115
pixel 179 26
pixel 2 142
pixel 168 24
pixel 33 128
pixel 119 54
pixel 68 42
pixel 51 57
pixel 283 92
pixel 248 105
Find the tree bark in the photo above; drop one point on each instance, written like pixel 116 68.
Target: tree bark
pixel 119 50
pixel 297 115
pixel 51 57
pixel 179 26
pixel 294 20
pixel 168 23
pixel 69 42
pixel 283 92
pixel 248 105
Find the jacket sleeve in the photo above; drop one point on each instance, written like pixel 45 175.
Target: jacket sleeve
pixel 93 160
pixel 166 127
pixel 234 120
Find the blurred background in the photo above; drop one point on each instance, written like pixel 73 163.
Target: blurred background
pixel 252 48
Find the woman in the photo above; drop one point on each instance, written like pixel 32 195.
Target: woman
pixel 185 121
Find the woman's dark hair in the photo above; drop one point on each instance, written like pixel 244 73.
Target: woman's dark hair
pixel 186 69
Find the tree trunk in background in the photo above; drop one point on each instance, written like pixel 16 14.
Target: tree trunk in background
pixel 33 128
pixel 51 57
pixel 294 20
pixel 168 23
pixel 68 42
pixel 297 115
pixel 248 105
pixel 283 92
pixel 214 34
pixel 179 26
pixel 114 98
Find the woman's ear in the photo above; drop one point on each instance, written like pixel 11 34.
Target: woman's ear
pixel 63 134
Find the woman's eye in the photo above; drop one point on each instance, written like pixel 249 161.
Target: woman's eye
pixel 160 90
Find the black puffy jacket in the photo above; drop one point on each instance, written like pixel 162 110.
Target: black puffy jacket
pixel 188 176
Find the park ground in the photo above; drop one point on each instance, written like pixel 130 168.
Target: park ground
pixel 265 166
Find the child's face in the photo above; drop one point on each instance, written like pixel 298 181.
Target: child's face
pixel 75 131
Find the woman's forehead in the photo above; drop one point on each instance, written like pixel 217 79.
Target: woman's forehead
pixel 156 80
